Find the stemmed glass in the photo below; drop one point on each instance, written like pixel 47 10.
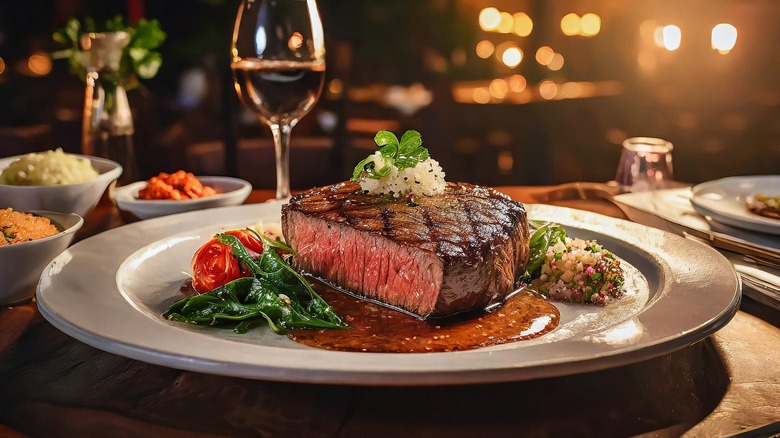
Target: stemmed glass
pixel 278 63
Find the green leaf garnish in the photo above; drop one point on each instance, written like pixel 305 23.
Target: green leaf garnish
pixel 405 154
pixel 545 235
pixel 277 295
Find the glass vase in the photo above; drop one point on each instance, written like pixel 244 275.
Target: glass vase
pixel 107 129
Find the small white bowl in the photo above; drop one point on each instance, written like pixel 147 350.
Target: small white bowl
pixel 21 264
pixel 63 198
pixel 233 191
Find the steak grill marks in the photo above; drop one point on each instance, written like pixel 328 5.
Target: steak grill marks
pixel 450 253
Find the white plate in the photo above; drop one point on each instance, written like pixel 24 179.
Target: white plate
pixel 233 191
pixel 724 200
pixel 682 292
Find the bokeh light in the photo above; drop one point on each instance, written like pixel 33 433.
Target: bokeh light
pixel 512 57
pixel 556 63
pixel 724 37
pixel 505 162
pixel 571 24
pixel 506 24
pixel 523 25
pixel 590 25
pixel 671 37
pixel 489 19
pixel 2 65
pixel 39 64
pixel 544 55
pixel 481 95
pixel 548 90
pixel 498 88
pixel 335 87
pixel 501 48
pixel 517 83
pixel 484 49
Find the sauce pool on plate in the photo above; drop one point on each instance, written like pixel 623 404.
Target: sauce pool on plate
pixel 379 329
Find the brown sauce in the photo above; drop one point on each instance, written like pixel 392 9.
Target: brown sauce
pixel 379 329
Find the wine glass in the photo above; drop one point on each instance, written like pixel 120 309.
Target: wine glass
pixel 645 164
pixel 278 63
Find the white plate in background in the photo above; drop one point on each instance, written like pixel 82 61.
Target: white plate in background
pixel 725 201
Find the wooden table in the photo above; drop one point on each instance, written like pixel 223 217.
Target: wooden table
pixel 53 385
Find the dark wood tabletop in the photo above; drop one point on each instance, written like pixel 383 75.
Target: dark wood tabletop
pixel 54 385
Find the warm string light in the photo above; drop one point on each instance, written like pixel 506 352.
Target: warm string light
pixel 493 20
pixel 512 57
pixel 506 23
pixel 510 89
pixel 669 37
pixel 588 25
pixel 489 19
pixel 523 25
pixel 570 24
pixel 724 38
pixel 509 54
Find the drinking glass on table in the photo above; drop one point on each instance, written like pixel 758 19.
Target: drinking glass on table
pixel 645 164
pixel 278 63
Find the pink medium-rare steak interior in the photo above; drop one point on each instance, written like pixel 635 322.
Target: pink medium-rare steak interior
pixel 367 265
pixel 437 256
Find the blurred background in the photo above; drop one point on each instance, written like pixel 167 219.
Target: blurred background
pixel 504 92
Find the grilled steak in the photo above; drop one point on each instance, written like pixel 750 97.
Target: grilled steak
pixel 458 251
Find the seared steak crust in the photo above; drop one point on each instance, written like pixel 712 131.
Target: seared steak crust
pixel 440 255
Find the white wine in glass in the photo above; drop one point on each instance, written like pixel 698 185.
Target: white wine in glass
pixel 278 63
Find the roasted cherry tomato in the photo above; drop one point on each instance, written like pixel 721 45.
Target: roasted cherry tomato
pixel 214 263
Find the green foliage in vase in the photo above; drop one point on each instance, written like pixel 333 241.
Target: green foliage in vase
pixel 140 59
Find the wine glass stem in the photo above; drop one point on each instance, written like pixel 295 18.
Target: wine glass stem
pixel 282 149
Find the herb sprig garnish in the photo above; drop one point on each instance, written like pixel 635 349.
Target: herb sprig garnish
pixel 407 153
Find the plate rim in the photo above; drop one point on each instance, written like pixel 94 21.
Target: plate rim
pixel 500 365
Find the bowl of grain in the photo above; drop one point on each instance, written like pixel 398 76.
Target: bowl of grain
pixel 30 240
pixel 55 181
